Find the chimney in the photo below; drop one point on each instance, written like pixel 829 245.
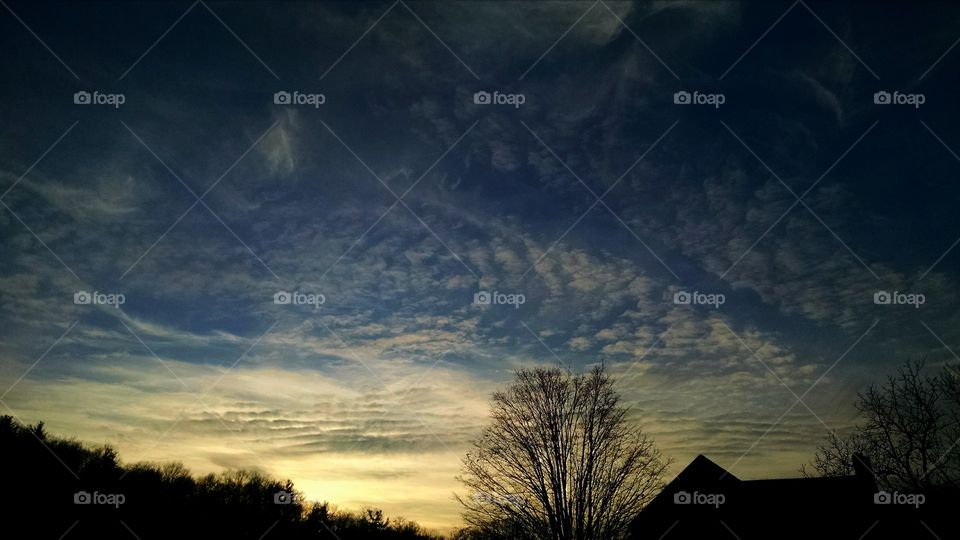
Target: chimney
pixel 863 469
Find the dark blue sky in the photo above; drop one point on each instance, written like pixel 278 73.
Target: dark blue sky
pixel 399 198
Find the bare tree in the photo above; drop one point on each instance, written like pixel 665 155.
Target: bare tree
pixel 910 431
pixel 559 460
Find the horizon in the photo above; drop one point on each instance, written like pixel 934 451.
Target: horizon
pixel 312 239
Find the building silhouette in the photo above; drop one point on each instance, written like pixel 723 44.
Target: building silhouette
pixel 705 501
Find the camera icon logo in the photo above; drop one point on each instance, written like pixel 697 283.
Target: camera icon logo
pixel 282 298
pixel 481 98
pixel 482 298
pixel 682 298
pixel 681 497
pixel 881 98
pixel 81 497
pixel 281 98
pixel 882 497
pixel 681 98
pixel 282 497
pixel 81 98
pixel 82 298
pixel 882 298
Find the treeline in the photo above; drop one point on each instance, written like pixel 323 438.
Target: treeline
pixel 908 429
pixel 61 488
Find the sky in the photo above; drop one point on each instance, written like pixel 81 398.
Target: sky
pixel 716 200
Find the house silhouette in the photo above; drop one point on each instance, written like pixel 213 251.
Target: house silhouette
pixel 705 501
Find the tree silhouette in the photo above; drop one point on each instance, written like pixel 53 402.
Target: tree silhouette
pixel 558 461
pixel 43 474
pixel 909 432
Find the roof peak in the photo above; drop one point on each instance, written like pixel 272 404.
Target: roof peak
pixel 703 469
